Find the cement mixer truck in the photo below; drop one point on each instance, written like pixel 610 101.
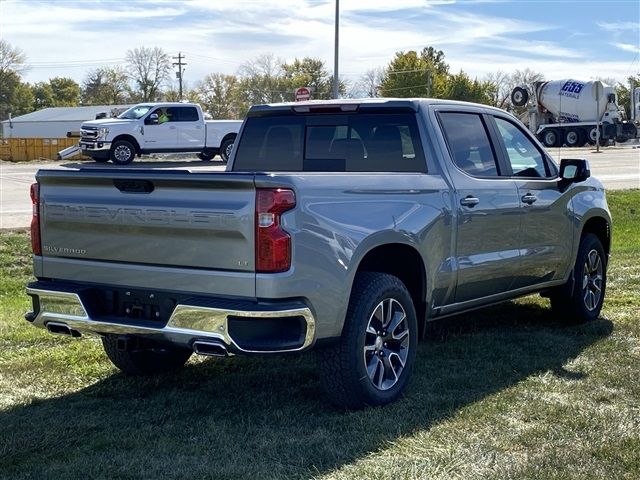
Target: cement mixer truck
pixel 572 113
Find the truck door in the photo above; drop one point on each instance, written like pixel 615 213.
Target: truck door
pixel 488 209
pixel 547 234
pixel 162 135
pixel 191 129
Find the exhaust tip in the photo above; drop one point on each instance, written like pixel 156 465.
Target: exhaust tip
pixel 62 329
pixel 212 349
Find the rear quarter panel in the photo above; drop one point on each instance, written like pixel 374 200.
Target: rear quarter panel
pixel 339 218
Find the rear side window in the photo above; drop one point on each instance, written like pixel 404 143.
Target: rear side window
pixel 469 143
pixel 186 114
pixel 526 160
pixel 355 142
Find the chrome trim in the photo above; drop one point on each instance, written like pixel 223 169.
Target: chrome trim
pixel 187 324
pixel 92 146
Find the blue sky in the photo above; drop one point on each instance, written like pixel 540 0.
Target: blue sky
pixel 579 39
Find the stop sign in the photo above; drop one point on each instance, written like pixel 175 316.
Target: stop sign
pixel 302 93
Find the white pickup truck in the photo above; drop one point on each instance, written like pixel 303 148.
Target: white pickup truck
pixel 157 128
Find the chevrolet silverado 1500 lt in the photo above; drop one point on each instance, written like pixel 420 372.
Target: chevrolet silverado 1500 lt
pixel 157 128
pixel 342 226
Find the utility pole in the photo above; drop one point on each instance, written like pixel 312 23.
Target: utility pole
pixel 335 54
pixel 180 71
pixel 429 83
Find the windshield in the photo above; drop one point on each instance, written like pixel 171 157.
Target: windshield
pixel 134 113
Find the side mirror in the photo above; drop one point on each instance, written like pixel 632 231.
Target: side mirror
pixel 574 170
pixel 152 119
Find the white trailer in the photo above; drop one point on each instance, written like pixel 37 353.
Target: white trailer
pixel 572 112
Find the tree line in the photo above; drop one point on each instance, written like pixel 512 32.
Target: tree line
pixel 147 72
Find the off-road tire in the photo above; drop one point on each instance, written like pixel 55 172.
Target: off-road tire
pixel 145 360
pixel 571 303
pixel 342 365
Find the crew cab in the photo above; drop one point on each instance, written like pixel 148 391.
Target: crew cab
pixel 157 128
pixel 339 226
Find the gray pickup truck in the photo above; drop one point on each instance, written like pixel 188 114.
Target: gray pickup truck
pixel 342 226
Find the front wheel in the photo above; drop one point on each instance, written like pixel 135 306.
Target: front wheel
pixel 226 148
pixel 580 299
pixel 372 362
pixel 145 359
pixel 122 152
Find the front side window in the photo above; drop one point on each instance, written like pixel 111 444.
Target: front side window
pixel 134 113
pixel 354 142
pixel 525 159
pixel 469 143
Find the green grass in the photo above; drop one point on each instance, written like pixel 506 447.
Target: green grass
pixel 502 393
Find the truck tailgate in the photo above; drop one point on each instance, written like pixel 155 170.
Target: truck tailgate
pixel 147 221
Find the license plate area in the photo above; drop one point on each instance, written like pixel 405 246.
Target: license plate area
pixel 139 306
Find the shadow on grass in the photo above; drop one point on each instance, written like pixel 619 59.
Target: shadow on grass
pixel 266 417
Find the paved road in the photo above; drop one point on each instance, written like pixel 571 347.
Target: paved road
pixel 616 167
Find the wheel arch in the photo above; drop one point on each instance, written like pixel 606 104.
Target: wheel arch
pixel 228 136
pixel 128 138
pixel 601 228
pixel 404 262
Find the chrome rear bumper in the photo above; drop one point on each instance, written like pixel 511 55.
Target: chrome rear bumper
pixel 186 325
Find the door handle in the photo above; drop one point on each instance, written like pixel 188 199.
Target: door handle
pixel 529 198
pixel 469 201
pixel 172 127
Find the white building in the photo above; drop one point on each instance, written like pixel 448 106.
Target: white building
pixel 56 122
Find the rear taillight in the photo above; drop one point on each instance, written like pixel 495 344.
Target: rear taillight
pixel 273 244
pixel 36 246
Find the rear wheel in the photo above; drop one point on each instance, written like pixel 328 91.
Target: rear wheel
pixel 581 298
pixel 122 152
pixel 207 154
pixel 372 362
pixel 144 359
pixel 592 136
pixel 226 148
pixel 574 138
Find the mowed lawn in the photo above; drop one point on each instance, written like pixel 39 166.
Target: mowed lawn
pixel 502 393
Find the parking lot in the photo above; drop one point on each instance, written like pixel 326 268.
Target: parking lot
pixel 617 168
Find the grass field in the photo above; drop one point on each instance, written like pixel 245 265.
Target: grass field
pixel 502 393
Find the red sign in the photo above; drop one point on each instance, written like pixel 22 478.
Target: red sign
pixel 302 94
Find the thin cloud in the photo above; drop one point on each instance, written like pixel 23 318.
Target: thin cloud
pixel 627 47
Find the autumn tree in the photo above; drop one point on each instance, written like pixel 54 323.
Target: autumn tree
pixel 368 85
pixel 309 72
pixel 15 96
pixel 150 68
pixel 42 95
pixel 262 81
pixel 66 92
pixel 413 74
pixel 12 59
pixel 624 92
pixel 105 86
pixel 220 96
